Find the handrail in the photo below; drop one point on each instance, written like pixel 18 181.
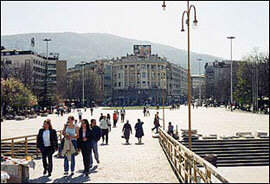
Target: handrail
pixel 25 141
pixel 185 161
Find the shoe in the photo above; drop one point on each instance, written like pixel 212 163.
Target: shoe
pixel 66 173
pixel 86 174
pixel 44 172
pixel 49 175
pixel 98 161
pixel 72 173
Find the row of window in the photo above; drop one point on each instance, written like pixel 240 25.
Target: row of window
pixel 142 66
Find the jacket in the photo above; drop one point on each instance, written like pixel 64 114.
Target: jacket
pixel 103 124
pixel 96 133
pixel 68 149
pixel 88 135
pixel 53 139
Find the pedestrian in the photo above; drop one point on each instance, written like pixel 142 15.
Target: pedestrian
pixel 91 109
pixel 156 123
pixel 117 112
pixel 96 134
pixel 101 116
pixel 104 129
pixel 47 144
pixel 170 129
pixel 71 133
pixel 139 131
pixel 123 112
pixel 144 111
pixel 127 130
pixel 115 117
pixel 80 114
pixel 108 116
pixel 84 144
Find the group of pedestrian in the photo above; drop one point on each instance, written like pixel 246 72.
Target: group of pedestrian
pixel 76 139
pixel 127 130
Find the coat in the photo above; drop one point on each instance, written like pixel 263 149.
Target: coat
pixel 68 149
pixel 53 139
pixel 139 130
pixel 127 130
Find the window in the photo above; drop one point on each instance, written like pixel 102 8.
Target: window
pixel 119 84
pixel 143 75
pixel 125 66
pixel 119 75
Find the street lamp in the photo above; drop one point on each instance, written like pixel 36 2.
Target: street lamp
pixel 231 38
pixel 83 63
pixel 195 22
pixel 46 71
pixel 200 88
pixel 163 96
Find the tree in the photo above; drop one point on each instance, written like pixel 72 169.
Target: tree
pixel 14 94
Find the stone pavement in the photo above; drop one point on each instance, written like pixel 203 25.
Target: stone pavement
pixel 146 163
pixel 118 162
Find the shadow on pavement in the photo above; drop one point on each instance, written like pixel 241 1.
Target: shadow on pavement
pixel 139 143
pixel 64 179
pixel 42 179
pixel 80 179
pixel 93 170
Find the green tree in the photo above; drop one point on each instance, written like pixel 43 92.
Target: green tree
pixel 14 94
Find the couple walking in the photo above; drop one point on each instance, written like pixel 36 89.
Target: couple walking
pixel 127 130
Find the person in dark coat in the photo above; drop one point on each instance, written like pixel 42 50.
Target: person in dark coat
pixel 127 130
pixel 139 131
pixel 84 143
pixel 47 144
pixel 96 134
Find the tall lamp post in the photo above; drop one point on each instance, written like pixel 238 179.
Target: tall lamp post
pixel 231 38
pixel 200 88
pixel 163 97
pixel 83 63
pixel 47 40
pixel 195 21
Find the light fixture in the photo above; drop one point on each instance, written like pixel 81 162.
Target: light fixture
pixel 164 6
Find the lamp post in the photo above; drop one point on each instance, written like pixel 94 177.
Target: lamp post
pixel 163 96
pixel 200 88
pixel 195 21
pixel 83 63
pixel 231 38
pixel 46 71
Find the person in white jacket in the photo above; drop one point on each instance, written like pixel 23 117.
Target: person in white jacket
pixel 105 126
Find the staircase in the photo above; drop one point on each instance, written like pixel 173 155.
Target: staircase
pixel 232 153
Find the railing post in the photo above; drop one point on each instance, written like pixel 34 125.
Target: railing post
pixel 26 146
pixel 186 169
pixel 194 171
pixel 208 173
pixel 12 148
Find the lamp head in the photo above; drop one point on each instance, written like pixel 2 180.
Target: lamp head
pixel 163 6
pixel 195 22
pixel 182 30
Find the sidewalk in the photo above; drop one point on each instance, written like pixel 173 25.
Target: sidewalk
pixel 118 162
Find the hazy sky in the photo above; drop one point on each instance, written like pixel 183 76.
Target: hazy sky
pixel 248 21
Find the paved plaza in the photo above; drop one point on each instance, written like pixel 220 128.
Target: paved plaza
pixel 147 162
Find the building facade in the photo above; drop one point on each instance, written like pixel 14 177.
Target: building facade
pixel 197 86
pixel 30 69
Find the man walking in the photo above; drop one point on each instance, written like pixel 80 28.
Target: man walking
pixel 96 134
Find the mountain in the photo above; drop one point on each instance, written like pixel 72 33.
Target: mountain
pixel 77 47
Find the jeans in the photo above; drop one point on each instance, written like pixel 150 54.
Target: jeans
pixel 66 164
pixel 94 147
pixel 47 152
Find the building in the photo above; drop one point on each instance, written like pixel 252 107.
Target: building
pixel 218 80
pixel 143 77
pixel 30 68
pixel 197 86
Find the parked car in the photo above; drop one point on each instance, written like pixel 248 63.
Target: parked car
pixel 19 117
pixel 10 117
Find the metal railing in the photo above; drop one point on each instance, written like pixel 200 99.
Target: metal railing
pixel 25 140
pixel 188 166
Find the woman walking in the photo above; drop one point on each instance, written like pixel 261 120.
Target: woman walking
pixel 47 144
pixel 115 118
pixel 127 130
pixel 139 131
pixel 71 133
pixel 104 129
pixel 84 144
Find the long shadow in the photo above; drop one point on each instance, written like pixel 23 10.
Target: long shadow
pixel 42 179
pixel 126 144
pixel 80 179
pixel 64 179
pixel 139 143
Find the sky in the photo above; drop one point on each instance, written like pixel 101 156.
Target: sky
pixel 248 21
